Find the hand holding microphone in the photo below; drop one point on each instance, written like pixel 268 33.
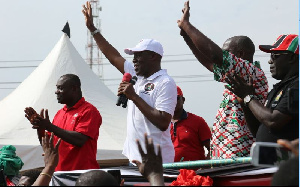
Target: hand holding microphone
pixel 124 87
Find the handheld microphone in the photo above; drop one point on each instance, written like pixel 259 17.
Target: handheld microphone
pixel 122 98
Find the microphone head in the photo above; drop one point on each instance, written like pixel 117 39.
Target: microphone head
pixel 133 80
pixel 126 77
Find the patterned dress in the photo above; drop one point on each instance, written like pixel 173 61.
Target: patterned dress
pixel 231 136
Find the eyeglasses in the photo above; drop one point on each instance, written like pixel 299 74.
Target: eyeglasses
pixel 276 55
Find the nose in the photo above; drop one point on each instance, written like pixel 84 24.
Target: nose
pixel 270 61
pixel 56 92
pixel 134 60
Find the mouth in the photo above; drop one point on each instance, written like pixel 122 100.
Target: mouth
pixel 136 68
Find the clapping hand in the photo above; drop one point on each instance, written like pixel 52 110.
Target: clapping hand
pixel 239 86
pixel 31 115
pixel 37 121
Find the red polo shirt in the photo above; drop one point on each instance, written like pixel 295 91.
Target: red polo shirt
pixel 84 118
pixel 191 131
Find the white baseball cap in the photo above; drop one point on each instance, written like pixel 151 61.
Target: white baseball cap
pixel 146 44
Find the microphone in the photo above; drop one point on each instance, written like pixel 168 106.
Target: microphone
pixel 122 98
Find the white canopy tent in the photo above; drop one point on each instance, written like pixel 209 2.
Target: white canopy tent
pixel 37 91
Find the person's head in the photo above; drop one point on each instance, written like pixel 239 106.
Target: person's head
pixel 284 61
pixel 96 178
pixel 68 89
pixel 241 47
pixel 180 101
pixel 147 57
pixel 29 177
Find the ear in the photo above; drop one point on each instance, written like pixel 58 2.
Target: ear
pixel 153 56
pixel 74 88
pixel 183 100
pixel 241 54
pixel 294 58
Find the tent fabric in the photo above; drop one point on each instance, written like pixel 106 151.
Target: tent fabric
pixel 38 91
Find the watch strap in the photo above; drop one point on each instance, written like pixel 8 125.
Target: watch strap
pixel 95 31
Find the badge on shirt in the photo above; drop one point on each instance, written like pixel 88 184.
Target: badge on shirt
pixel 74 118
pixel 149 87
pixel 278 96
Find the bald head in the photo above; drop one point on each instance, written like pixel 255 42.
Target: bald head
pixel 96 178
pixel 71 79
pixel 241 47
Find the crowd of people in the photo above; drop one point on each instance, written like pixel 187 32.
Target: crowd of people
pixel 247 113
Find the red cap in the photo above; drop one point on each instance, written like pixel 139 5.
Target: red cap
pixel 179 92
pixel 287 42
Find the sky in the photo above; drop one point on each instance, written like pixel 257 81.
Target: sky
pixel 31 28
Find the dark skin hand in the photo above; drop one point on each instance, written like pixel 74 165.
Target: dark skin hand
pixel 291 145
pixel 42 122
pixel 211 51
pixel 239 86
pixel 50 158
pixel 273 119
pixel 160 119
pixel 32 115
pixel 107 49
pixel 151 166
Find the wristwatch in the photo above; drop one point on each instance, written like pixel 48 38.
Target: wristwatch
pixel 247 99
pixel 95 31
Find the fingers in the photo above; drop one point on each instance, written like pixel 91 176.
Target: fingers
pixel 136 162
pixel 159 151
pixel 229 88
pixel 46 114
pixel 150 147
pixel 296 142
pixel 140 148
pixel 57 145
pixel 35 126
pixel 42 113
pixel 251 81
pixel 285 143
pixel 51 140
pixel 46 140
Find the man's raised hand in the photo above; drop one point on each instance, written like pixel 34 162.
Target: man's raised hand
pixel 88 13
pixel 186 14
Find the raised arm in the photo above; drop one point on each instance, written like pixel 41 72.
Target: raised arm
pixel 198 54
pixel 51 160
pixel 197 40
pixel 107 49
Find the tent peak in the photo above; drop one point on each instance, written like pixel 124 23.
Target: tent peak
pixel 66 29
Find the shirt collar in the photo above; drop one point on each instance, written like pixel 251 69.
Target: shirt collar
pixel 156 74
pixel 184 115
pixel 77 105
pixel 285 81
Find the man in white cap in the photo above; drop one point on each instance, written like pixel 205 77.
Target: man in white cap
pixel 152 99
